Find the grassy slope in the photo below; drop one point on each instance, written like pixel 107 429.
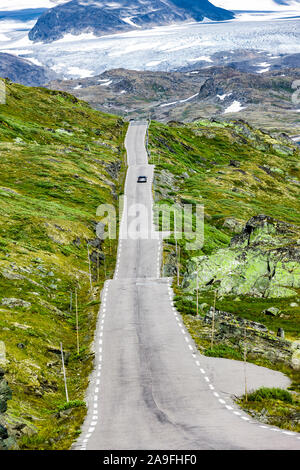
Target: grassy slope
pixel 273 406
pixel 54 157
pixel 203 151
pixel 54 178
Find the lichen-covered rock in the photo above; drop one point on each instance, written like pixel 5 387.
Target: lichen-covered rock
pixel 11 427
pixel 282 149
pixel 6 441
pixel 5 392
pixel 231 329
pixel 296 360
pixel 2 354
pixel 263 261
pixel 264 230
pixel 296 355
pixel 273 311
pixel 3 432
pixel 233 225
pixel 14 303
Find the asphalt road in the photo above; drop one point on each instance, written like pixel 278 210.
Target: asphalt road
pixel 151 389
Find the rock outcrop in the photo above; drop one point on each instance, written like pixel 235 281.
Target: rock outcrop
pixel 100 18
pixel 238 332
pixel 5 394
pixel 263 261
pixel 23 71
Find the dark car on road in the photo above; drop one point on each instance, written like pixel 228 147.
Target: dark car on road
pixel 142 179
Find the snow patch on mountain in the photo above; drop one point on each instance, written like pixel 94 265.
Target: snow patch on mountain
pixel 129 21
pixel 235 107
pixel 109 82
pixel 202 58
pixel 154 63
pixel 80 72
pixel 180 101
pixel 222 97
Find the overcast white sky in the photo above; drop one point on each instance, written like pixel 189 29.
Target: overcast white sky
pixel 10 5
pixel 260 5
pixel 257 5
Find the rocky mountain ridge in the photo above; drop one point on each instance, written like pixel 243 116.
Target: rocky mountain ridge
pixel 104 17
pixel 23 71
pixel 265 100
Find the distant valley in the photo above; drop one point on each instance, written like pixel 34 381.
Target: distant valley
pixel 250 84
pixel 229 90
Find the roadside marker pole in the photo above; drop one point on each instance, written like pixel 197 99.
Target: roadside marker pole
pixel 162 261
pixel 71 301
pixel 109 238
pixel 213 322
pixel 147 138
pixel 197 293
pixel 178 267
pixel 64 372
pixel 245 365
pixel 77 323
pixel 175 232
pixel 90 272
pixel 98 267
pixel 176 245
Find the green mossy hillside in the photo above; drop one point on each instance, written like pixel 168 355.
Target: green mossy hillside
pixel 263 262
pixel 248 181
pixel 236 172
pixel 59 160
pixel 273 406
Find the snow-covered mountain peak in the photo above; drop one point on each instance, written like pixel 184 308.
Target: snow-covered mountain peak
pixel 102 17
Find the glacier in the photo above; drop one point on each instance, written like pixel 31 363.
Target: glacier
pixel 165 48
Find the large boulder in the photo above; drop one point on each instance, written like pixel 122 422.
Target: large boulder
pixel 3 432
pixel 2 354
pixel 233 225
pixel 296 355
pixel 236 332
pixel 272 311
pixel 11 302
pixel 262 261
pixel 5 394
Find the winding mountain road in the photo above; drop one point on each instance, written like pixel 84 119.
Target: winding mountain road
pixel 151 389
